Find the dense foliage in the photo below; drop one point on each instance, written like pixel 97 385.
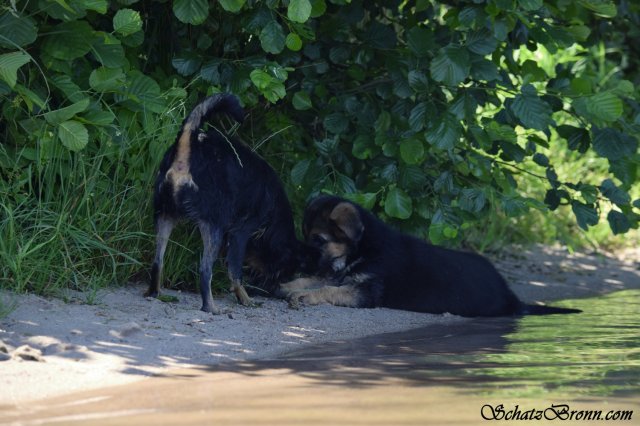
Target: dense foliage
pixel 428 112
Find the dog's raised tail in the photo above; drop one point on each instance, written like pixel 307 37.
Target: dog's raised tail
pixel 545 310
pixel 179 174
pixel 215 104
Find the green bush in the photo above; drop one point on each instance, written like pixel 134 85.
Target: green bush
pixel 428 112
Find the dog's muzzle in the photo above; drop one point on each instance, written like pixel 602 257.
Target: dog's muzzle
pixel 338 263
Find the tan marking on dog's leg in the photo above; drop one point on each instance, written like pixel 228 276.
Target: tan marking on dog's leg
pixel 241 294
pixel 345 295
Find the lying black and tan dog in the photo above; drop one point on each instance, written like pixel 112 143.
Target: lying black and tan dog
pixel 365 263
pixel 234 197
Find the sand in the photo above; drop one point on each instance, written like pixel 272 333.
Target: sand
pixel 51 347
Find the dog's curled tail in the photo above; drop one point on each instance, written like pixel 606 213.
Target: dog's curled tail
pixel 545 310
pixel 215 104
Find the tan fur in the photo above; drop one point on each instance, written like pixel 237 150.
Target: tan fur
pixel 335 250
pixel 255 263
pixel 303 284
pixel 241 293
pixel 179 174
pixel 348 220
pixel 345 295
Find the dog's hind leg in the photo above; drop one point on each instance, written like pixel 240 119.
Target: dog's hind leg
pixel 211 240
pixel 164 226
pixel 235 257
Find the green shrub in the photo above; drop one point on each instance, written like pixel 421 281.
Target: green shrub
pixel 435 114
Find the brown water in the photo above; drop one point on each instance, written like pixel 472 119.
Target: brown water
pixel 457 374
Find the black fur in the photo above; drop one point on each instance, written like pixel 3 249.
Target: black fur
pixel 399 271
pixel 234 197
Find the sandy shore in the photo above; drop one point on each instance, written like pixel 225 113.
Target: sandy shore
pixel 50 347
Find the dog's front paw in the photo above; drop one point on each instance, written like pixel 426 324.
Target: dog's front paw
pixel 300 298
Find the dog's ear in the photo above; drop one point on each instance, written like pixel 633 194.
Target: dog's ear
pixel 347 218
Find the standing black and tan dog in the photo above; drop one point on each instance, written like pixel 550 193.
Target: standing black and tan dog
pixel 234 197
pixel 365 263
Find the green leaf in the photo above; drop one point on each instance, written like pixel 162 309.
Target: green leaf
pixel 552 199
pixel 301 101
pixel 299 10
pixel 232 5
pixel 293 42
pixel 421 41
pixel 614 194
pixel 272 38
pixel 577 138
pixel 69 40
pixel 345 184
pixel 318 8
pixel 484 69
pixel 98 117
pixel 446 134
pixel 127 22
pixel 601 107
pixel 514 205
pixel 541 159
pixel 166 298
pixel 412 150
pixel 210 72
pixel 366 200
pixel 270 87
pixel 10 63
pixel 70 89
pixel 605 8
pixel 261 79
pixel 472 200
pixel 532 111
pixel 451 66
pixel 17 31
pixel 418 81
pixel 142 93
pixel 99 6
pixel 482 42
pixel 74 135
pixel 418 116
pixel 588 192
pixel 363 147
pixel 612 144
pixel 108 50
pixel 380 36
pixel 195 12
pixel 398 204
pixel 106 79
pixel 618 222
pixel 63 114
pixel 336 123
pixel 586 214
pixel 299 171
pixel 530 5
pixel 187 64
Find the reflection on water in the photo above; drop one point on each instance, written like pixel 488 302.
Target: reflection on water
pixel 596 353
pixel 435 374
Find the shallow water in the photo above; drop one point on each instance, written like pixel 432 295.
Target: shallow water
pixel 543 366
